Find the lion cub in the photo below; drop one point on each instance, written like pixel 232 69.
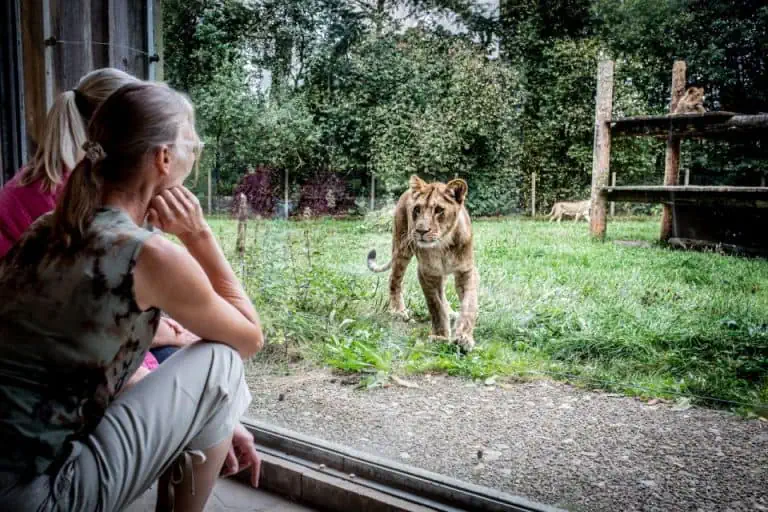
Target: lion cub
pixel 692 101
pixel 574 209
pixel 432 223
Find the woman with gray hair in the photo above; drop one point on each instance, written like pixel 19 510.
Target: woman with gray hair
pixel 80 300
pixel 36 187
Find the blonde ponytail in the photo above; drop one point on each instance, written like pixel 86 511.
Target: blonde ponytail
pixel 60 146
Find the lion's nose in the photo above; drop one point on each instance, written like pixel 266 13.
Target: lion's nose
pixel 422 231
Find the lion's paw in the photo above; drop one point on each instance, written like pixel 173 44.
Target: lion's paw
pixel 465 342
pixel 401 315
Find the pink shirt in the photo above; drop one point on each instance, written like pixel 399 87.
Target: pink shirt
pixel 20 206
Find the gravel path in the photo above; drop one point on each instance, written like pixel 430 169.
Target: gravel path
pixel 546 441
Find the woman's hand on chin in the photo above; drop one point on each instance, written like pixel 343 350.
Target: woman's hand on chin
pixel 177 211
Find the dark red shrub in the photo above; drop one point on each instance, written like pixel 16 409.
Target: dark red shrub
pixel 261 186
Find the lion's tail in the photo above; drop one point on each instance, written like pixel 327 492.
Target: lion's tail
pixel 372 263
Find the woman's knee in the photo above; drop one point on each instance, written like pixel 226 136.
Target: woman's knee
pixel 224 362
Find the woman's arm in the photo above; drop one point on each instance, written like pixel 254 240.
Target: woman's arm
pixel 196 286
pixel 171 334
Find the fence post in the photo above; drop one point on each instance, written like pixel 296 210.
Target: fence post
pixel 672 158
pixel 285 208
pixel 601 150
pixel 687 177
pixel 613 203
pixel 241 210
pixel 533 195
pixel 373 191
pixel 210 202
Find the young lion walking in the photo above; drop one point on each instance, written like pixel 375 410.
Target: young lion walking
pixel 432 223
pixel 574 209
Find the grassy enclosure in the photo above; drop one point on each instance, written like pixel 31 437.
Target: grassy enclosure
pixel 645 321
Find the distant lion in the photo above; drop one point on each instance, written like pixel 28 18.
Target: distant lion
pixel 432 223
pixel 692 101
pixel 574 209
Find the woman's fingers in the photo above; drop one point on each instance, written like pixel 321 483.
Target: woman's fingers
pixel 173 203
pixel 183 200
pixel 160 205
pixel 153 218
pixel 178 211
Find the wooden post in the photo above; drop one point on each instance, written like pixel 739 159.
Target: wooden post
pixel 762 181
pixel 373 191
pixel 601 152
pixel 672 159
pixel 533 195
pixel 286 194
pixel 210 201
pixel 50 87
pixel 241 210
pixel 613 203
pixel 687 177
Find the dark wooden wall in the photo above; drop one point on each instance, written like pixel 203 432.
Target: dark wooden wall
pixel 64 39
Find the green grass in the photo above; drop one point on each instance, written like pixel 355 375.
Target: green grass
pixel 646 321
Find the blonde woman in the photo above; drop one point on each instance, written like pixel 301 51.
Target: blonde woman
pixel 36 187
pixel 80 300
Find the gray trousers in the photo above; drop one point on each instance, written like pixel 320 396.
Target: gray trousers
pixel 190 403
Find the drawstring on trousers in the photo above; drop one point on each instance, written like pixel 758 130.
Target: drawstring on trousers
pixel 181 466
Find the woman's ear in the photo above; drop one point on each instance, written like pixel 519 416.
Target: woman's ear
pixel 163 160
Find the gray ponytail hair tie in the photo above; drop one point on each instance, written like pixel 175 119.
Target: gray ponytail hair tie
pixel 94 152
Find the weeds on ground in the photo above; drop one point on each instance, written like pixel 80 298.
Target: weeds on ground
pixel 643 321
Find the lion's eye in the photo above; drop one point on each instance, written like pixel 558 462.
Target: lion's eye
pixel 416 210
pixel 438 210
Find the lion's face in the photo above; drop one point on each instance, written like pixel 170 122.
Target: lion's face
pixel 434 210
pixel 695 94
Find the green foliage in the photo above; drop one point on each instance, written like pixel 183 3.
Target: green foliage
pixel 427 105
pixel 332 85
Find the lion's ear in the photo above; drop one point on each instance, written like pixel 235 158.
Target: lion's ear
pixel 458 188
pixel 417 183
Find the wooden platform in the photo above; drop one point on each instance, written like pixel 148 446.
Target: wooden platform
pixel 731 197
pixel 707 124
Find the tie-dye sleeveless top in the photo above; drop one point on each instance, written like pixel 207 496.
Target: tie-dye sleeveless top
pixel 71 334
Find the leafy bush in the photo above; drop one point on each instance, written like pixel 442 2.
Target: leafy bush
pixel 261 187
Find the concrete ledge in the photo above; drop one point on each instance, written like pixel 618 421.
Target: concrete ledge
pixel 317 472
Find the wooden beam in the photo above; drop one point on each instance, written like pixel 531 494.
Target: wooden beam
pixel 672 158
pixel 706 125
pixel 601 153
pixel 48 55
pixel 73 55
pixel 33 57
pixel 743 197
pixel 159 43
